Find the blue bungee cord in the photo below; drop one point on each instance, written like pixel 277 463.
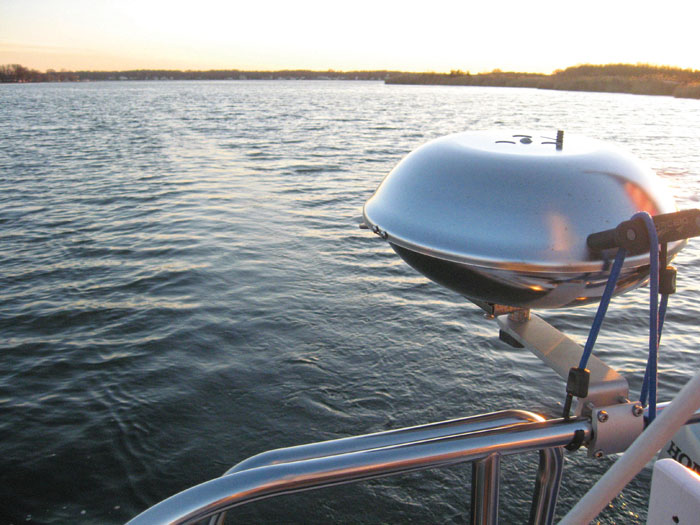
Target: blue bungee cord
pixel 656 318
pixel 602 307
pixel 662 312
pixel 651 373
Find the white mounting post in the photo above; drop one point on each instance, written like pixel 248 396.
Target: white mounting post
pixel 561 353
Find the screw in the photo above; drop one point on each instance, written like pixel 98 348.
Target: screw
pixel 637 410
pixel 602 416
pixel 599 453
pixel 631 234
pixel 380 232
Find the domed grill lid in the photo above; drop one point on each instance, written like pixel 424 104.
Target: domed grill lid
pixel 513 204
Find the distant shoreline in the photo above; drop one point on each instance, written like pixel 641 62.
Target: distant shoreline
pixel 641 79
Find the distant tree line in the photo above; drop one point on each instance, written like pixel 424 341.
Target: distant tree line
pixel 643 79
pixel 231 74
pixel 18 73
pixel 496 78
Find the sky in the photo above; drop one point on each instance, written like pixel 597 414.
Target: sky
pixel 433 35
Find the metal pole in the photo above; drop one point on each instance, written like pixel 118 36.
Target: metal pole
pixel 387 438
pixel 485 488
pixel 212 497
pixel 547 483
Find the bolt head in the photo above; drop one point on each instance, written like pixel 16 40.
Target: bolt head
pixel 603 416
pixel 637 410
pixel 599 453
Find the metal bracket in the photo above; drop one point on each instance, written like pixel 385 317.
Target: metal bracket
pixel 561 353
pixel 615 427
pixel 495 310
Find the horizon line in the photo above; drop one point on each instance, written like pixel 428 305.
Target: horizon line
pixel 341 71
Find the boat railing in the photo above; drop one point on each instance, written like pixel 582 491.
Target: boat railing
pixel 481 440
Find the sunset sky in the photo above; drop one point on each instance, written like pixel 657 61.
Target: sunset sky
pixel 437 35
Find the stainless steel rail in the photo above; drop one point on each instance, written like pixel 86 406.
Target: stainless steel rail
pixel 547 483
pixel 485 489
pixel 219 494
pixel 386 438
pixel 342 461
pixel 485 484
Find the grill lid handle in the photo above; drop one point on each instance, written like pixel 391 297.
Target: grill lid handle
pixel 632 235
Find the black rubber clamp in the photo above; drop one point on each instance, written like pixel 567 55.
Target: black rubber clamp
pixel 576 443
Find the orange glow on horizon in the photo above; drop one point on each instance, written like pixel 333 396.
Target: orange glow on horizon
pixel 363 35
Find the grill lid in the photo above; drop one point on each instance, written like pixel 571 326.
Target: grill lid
pixel 514 204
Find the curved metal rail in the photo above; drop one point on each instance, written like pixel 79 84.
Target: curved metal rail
pixel 387 438
pixel 483 485
pixel 307 467
pixel 228 491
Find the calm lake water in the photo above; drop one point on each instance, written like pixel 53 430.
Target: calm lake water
pixel 183 285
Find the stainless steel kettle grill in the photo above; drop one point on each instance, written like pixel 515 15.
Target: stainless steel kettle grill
pixel 502 217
